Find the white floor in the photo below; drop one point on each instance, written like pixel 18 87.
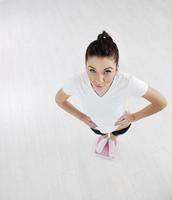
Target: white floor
pixel 46 153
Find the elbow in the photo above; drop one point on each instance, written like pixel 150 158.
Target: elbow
pixel 58 102
pixel 56 99
pixel 163 104
pixel 61 97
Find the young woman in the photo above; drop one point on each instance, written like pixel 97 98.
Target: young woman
pixel 103 90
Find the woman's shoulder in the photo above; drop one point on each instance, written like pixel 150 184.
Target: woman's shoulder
pixel 76 76
pixel 123 79
pixel 124 76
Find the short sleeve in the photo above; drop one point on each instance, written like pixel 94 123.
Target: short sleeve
pixel 70 86
pixel 137 87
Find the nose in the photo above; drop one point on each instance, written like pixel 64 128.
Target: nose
pixel 99 80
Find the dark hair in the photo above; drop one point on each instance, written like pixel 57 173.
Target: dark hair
pixel 102 47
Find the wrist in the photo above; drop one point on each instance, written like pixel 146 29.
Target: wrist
pixel 133 117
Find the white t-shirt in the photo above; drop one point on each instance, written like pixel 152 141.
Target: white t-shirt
pixel 105 110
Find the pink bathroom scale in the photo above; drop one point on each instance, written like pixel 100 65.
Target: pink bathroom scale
pixel 105 151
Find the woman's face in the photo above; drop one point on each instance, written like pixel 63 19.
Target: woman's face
pixel 101 71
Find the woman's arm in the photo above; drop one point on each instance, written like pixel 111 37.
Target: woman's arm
pixel 61 100
pixel 158 102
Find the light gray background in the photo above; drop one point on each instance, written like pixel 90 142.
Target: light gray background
pixel 46 153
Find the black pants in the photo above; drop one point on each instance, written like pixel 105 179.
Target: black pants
pixel 119 132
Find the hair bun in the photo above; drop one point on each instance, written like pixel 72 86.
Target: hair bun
pixel 104 35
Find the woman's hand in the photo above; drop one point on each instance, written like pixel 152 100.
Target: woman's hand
pixel 124 120
pixel 87 120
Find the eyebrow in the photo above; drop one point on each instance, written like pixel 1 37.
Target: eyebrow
pixel 104 69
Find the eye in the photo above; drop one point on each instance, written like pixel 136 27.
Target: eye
pixel 92 70
pixel 108 71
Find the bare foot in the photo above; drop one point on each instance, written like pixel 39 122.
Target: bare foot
pixel 113 137
pixel 105 136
